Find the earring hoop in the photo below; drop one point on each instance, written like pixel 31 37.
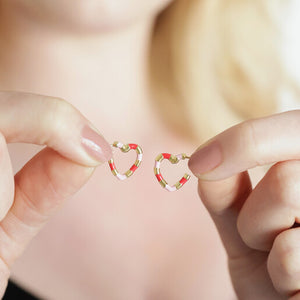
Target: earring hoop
pixel 174 159
pixel 125 148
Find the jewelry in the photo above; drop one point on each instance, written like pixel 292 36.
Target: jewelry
pixel 174 159
pixel 126 148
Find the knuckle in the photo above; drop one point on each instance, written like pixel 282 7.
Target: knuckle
pixel 286 253
pixel 60 108
pixel 284 184
pixel 251 141
pixel 244 233
pixel 60 113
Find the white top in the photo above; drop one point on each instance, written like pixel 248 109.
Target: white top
pixel 290 50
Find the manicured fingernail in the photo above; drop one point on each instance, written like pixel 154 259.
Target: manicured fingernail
pixel 95 144
pixel 206 158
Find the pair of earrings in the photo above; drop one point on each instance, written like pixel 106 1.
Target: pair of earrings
pixel 174 159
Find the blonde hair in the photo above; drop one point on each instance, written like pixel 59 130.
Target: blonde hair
pixel 215 63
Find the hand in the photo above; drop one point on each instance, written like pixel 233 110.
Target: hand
pixel 55 173
pixel 258 227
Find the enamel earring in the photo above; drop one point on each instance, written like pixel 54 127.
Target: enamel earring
pixel 174 159
pixel 126 148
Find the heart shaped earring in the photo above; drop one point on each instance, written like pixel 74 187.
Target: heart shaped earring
pixel 126 148
pixel 174 159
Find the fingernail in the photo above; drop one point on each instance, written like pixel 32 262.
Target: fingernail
pixel 206 158
pixel 95 144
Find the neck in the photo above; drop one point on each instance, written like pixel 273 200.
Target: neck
pixel 103 75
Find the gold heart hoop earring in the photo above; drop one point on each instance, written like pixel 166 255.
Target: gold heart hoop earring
pixel 174 159
pixel 125 148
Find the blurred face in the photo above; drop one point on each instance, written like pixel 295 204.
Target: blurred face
pixel 86 15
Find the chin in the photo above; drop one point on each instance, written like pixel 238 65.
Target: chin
pixel 87 15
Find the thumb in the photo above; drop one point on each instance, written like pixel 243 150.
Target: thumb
pixel 41 186
pixel 221 163
pixel 222 191
pixel 224 199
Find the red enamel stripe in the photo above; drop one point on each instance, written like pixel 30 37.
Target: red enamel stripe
pixel 183 180
pixel 159 177
pixel 112 166
pixel 166 155
pixel 133 168
pixel 132 146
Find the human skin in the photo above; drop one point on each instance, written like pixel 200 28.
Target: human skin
pixel 132 235
pixel 257 226
pixel 146 244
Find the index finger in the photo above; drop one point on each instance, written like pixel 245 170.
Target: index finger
pixel 252 143
pixel 44 120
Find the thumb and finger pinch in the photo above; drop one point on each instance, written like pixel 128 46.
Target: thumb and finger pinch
pixel 74 149
pixel 225 188
pixel 224 185
pixel 54 122
pixel 44 120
